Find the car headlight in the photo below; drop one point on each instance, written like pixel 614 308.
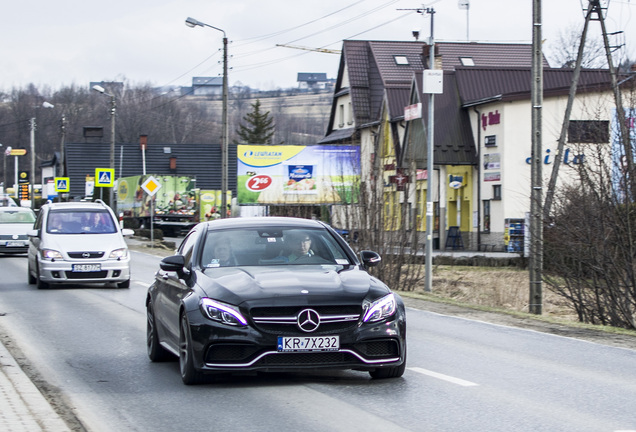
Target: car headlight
pixel 380 309
pixel 222 312
pixel 51 254
pixel 119 253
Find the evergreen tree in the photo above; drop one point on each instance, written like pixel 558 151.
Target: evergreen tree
pixel 259 128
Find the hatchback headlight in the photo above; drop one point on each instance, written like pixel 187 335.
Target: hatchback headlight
pixel 380 309
pixel 222 312
pixel 51 254
pixel 119 253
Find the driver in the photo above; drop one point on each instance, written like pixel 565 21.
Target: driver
pixel 299 246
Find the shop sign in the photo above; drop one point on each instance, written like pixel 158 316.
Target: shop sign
pixel 495 176
pixel 567 158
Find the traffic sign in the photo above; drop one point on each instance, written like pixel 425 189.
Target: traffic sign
pixel 17 152
pixel 62 184
pixel 151 186
pixel 104 177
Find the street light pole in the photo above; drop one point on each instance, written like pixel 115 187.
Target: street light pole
pixel 101 90
pixel 191 22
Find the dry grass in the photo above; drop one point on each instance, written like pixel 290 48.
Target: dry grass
pixel 495 287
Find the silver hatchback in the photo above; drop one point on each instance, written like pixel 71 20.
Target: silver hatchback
pixel 78 243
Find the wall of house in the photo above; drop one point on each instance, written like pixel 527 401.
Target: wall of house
pixel 505 149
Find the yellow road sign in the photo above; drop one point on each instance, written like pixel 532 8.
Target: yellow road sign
pixel 62 184
pixel 104 177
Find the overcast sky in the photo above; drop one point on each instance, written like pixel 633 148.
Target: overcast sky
pixel 64 42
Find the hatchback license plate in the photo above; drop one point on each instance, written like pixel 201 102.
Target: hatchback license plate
pixel 86 267
pixel 308 343
pixel 15 244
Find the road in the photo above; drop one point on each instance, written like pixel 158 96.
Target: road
pixel 88 344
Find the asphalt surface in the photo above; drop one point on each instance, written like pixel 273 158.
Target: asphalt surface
pixel 23 408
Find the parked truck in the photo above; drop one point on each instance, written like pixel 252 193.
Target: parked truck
pixel 178 205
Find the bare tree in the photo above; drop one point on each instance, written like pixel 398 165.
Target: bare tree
pixel 565 48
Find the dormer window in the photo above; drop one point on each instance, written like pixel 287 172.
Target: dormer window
pixel 467 61
pixel 401 60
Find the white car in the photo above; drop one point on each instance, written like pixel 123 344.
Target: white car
pixel 78 243
pixel 14 224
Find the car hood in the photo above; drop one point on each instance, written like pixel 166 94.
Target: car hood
pixel 289 284
pixel 84 242
pixel 15 228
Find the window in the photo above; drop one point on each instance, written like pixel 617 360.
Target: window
pixel 467 61
pixel 588 131
pixel 341 116
pixel 401 60
pixel 496 192
pixel 486 204
pixel 350 114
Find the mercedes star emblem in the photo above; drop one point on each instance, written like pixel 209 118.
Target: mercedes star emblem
pixel 308 320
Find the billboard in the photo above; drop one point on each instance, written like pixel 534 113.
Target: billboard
pixel 288 174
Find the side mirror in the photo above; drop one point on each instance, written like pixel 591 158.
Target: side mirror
pixel 33 233
pixel 174 263
pixel 370 258
pixel 127 232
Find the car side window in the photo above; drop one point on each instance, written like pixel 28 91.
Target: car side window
pixel 38 221
pixel 187 247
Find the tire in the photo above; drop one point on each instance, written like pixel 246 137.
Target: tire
pixel 41 284
pixel 156 352
pixel 124 284
pixel 32 279
pixel 189 374
pixel 390 372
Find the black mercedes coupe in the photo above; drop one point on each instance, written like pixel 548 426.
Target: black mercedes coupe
pixel 273 294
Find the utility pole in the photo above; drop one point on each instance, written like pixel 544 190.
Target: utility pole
pixel 558 158
pixel 32 173
pixel 536 196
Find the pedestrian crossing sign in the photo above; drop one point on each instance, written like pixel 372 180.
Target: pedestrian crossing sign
pixel 62 184
pixel 104 177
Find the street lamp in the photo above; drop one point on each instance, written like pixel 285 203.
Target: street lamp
pixel 101 90
pixel 191 22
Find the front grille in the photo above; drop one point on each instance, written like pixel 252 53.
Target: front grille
pixel 378 348
pixel 80 255
pixel 333 319
pixel 86 275
pixel 293 310
pixel 10 237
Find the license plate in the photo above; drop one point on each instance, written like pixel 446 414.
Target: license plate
pixel 86 267
pixel 308 343
pixel 15 244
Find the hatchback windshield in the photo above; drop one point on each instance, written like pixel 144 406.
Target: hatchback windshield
pixel 80 222
pixel 271 246
pixel 17 217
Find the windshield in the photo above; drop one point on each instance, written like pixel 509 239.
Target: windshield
pixel 271 246
pixel 17 217
pixel 80 222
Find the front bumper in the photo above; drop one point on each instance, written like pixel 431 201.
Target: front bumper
pixel 58 271
pixel 362 347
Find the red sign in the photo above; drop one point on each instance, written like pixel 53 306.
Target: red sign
pixel 258 183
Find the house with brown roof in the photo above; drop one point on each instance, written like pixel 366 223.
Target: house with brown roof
pixel 373 88
pixel 487 109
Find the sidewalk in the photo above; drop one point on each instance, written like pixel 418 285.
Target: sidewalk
pixel 22 406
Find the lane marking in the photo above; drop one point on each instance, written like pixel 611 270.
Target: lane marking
pixel 448 378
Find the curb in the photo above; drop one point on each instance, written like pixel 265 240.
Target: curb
pixel 24 408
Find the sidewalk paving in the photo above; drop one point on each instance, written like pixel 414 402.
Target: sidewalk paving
pixel 22 407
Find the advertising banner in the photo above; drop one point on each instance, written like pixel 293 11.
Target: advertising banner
pixel 321 174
